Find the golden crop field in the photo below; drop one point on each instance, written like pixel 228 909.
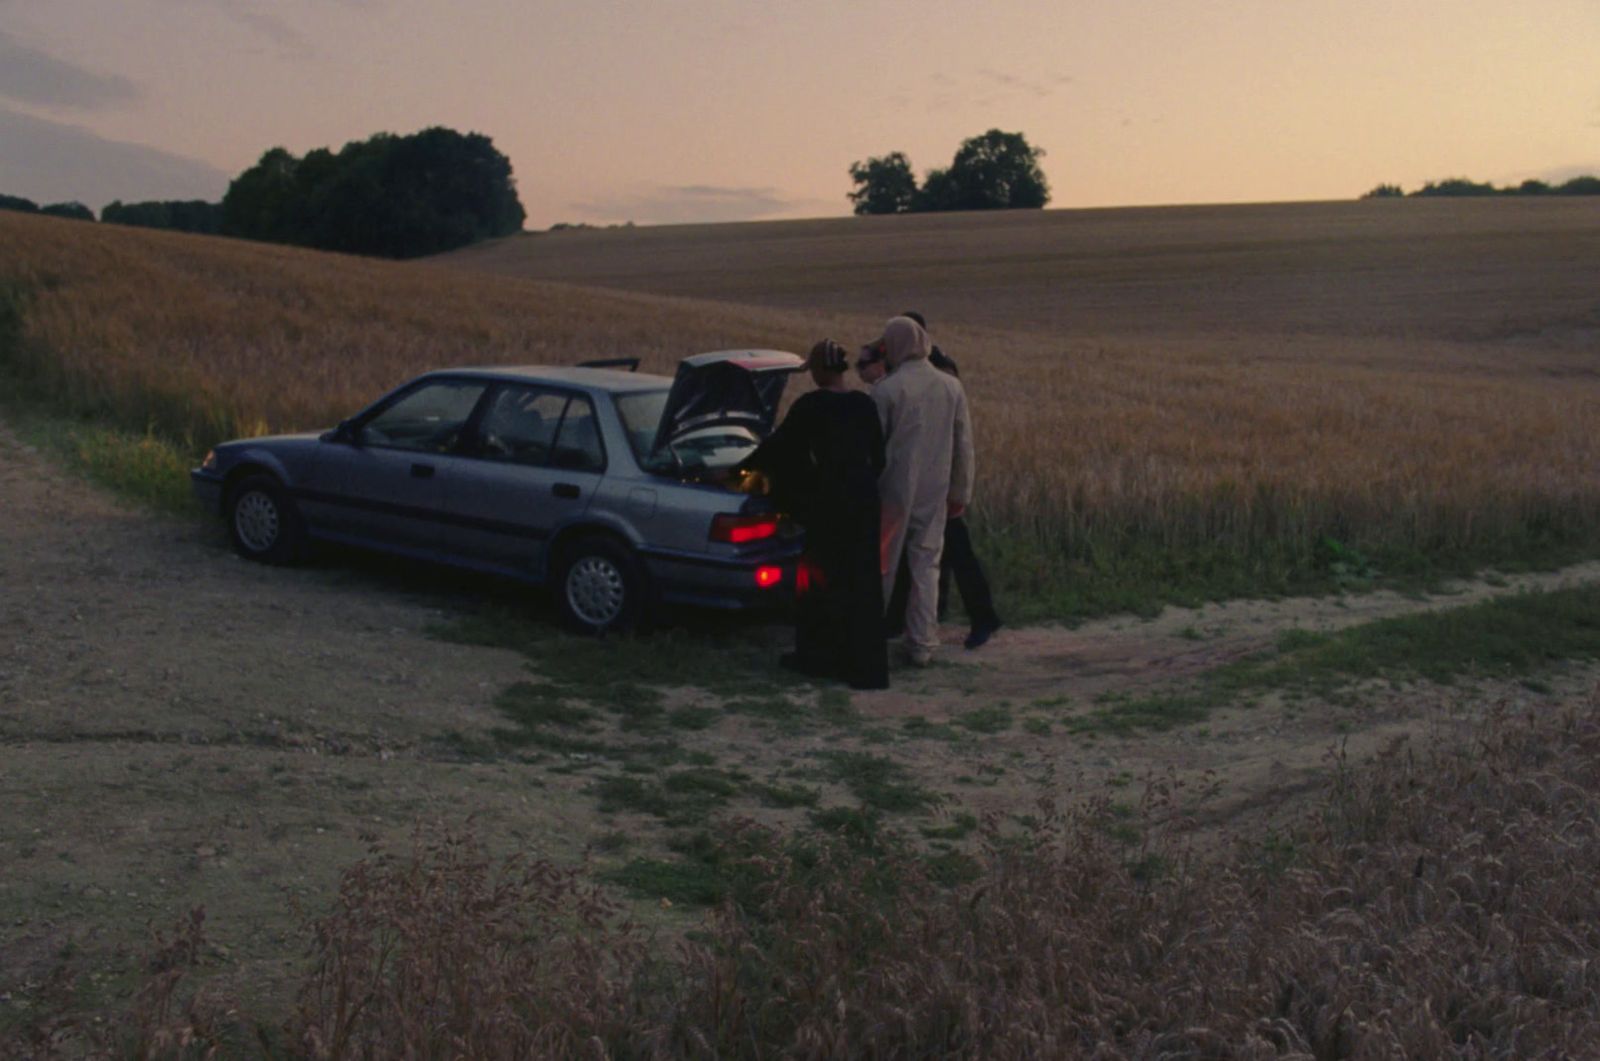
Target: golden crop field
pixel 1171 396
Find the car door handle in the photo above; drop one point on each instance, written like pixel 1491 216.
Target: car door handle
pixel 564 490
pixel 422 471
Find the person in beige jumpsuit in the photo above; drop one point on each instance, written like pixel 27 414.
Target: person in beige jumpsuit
pixel 927 473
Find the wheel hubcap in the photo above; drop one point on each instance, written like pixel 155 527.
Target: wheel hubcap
pixel 595 590
pixel 255 520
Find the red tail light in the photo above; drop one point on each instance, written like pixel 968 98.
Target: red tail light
pixel 768 575
pixel 738 529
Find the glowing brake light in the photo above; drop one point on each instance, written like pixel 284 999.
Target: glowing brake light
pixel 738 529
pixel 768 575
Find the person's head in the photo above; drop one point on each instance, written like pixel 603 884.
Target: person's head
pixel 870 365
pixel 904 340
pixel 936 357
pixel 828 362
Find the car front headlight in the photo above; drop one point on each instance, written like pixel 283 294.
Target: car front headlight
pixel 210 463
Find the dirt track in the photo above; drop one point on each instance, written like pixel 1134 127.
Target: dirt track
pixel 180 727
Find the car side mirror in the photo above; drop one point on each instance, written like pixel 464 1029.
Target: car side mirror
pixel 348 432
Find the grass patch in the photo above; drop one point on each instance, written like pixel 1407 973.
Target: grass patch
pixel 693 718
pixel 1133 573
pixel 987 720
pixel 1509 637
pixel 959 826
pixel 774 794
pixel 880 783
pixel 531 705
pixel 709 868
pixel 138 467
pixel 920 728
pixel 774 708
pixel 682 798
pixel 835 707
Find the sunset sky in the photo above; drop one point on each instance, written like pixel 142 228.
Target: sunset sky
pixel 713 110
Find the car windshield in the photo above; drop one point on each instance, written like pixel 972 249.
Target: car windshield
pixel 709 449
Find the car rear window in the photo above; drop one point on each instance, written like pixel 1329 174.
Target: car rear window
pixel 641 416
pixel 709 449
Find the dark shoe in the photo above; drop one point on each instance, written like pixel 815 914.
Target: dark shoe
pixel 980 634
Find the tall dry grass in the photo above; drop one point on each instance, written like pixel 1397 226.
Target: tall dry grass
pixel 1162 450
pixel 207 338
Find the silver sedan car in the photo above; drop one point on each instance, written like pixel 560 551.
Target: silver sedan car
pixel 613 486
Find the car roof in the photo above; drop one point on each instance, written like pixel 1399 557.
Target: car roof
pixel 616 381
pixel 606 379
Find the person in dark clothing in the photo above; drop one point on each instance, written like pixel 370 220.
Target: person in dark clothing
pixel 824 461
pixel 957 559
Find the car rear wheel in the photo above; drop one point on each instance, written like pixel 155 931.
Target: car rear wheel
pixel 601 586
pixel 263 522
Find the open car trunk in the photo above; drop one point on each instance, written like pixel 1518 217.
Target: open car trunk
pixel 727 388
pixel 720 406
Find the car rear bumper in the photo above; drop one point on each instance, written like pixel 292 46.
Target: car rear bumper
pixel 207 487
pixel 723 582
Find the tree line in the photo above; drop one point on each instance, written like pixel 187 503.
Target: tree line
pixel 73 209
pixel 994 171
pixel 388 196
pixel 1456 187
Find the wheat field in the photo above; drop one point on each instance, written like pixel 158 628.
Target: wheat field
pixel 1166 396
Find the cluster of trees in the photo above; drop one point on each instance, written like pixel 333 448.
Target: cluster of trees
pixel 994 171
pixel 187 215
pixel 183 215
pixel 75 210
pixel 391 196
pixel 1461 186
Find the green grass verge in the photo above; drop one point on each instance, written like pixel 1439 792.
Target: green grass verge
pixel 139 466
pixel 1037 581
pixel 1510 637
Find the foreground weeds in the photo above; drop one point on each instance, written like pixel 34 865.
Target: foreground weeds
pixel 1436 903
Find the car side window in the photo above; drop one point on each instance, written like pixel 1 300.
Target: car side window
pixel 520 425
pixel 430 419
pixel 577 445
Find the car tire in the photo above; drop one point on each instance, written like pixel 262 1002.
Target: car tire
pixel 263 522
pixel 601 587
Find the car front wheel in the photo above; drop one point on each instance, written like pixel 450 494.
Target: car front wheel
pixel 263 522
pixel 601 587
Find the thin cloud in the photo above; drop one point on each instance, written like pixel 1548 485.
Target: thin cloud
pixel 689 203
pixel 271 27
pixel 1012 82
pixel 261 22
pixel 30 76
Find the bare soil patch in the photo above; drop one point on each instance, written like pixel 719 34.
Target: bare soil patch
pixel 181 728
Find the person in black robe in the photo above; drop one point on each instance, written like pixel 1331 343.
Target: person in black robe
pixel 824 461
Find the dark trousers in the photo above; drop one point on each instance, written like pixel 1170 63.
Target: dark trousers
pixel 957 560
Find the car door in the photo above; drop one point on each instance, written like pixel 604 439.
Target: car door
pixel 386 484
pixel 537 461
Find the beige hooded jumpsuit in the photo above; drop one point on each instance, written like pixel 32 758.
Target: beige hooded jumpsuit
pixel 928 446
